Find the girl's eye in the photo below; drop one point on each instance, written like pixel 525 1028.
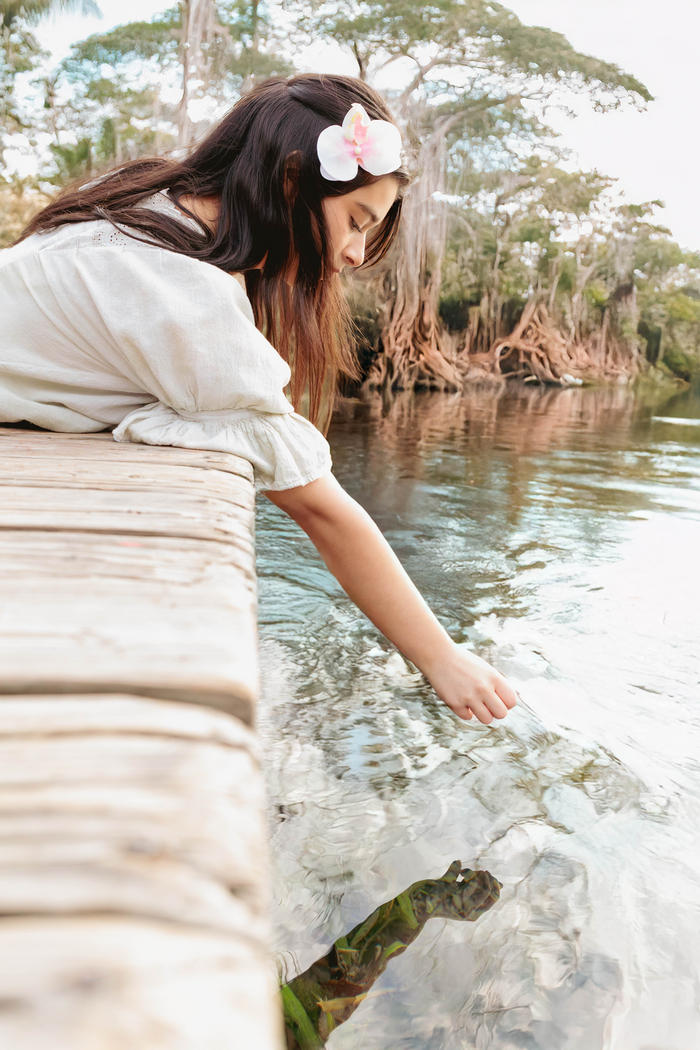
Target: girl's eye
pixel 354 225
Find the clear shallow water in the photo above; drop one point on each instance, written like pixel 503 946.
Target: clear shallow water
pixel 558 534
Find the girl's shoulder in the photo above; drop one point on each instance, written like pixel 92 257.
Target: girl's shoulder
pixel 97 254
pixel 99 233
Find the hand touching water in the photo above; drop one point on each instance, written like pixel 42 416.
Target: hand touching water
pixel 470 686
pixel 365 566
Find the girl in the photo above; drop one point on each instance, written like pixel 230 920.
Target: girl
pixel 137 303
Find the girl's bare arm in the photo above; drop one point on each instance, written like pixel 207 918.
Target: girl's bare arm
pixel 364 564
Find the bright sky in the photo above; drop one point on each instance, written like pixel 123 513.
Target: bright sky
pixel 654 155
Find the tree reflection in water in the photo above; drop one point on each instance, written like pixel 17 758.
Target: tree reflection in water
pixel 520 417
pixel 332 988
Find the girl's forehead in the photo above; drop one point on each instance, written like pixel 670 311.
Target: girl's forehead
pixel 376 198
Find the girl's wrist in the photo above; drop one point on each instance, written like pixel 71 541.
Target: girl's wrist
pixel 432 658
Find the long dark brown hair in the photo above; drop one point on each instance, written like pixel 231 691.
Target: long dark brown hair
pixel 261 162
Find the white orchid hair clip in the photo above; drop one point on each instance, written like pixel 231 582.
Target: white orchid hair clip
pixel 374 145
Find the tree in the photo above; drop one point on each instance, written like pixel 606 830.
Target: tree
pixel 518 260
pixel 33 11
pixel 20 51
pixel 469 66
pixel 667 281
pixel 122 113
pixel 204 47
pixel 207 49
pixel 224 44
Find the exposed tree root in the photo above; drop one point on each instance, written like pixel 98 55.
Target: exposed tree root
pixel 537 347
pixel 419 355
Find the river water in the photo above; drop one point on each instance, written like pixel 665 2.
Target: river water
pixel 556 533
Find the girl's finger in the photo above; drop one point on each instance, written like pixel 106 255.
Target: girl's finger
pixel 496 706
pixel 462 712
pixel 481 712
pixel 507 694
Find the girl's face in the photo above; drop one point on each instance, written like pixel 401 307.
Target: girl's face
pixel 352 217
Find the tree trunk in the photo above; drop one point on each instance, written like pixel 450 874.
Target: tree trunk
pixel 415 352
pixel 183 119
pixel 200 26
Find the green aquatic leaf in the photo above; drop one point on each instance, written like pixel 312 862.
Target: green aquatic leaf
pixel 296 1017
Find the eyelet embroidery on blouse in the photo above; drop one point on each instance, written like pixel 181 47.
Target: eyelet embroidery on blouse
pixel 104 233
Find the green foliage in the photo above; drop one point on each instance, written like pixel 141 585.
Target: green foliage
pixel 33 11
pixel 520 221
pixel 116 78
pixel 596 294
pixel 72 162
pixel 681 364
pixel 536 229
pixel 477 53
pixel 255 45
pixel 19 53
pixel 158 39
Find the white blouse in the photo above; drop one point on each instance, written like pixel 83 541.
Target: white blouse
pixel 98 330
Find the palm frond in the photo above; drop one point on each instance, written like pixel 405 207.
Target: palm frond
pixel 33 11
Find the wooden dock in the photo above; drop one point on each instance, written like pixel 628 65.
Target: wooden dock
pixel 133 865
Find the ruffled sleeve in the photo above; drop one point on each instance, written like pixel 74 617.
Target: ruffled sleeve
pixel 284 450
pixel 183 332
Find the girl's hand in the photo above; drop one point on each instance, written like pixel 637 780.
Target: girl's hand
pixel 364 564
pixel 468 685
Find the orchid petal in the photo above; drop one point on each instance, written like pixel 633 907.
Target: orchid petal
pixel 355 124
pixel 373 144
pixel 331 178
pixel 381 153
pixel 337 155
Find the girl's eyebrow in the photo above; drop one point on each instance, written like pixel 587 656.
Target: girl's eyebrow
pixel 372 214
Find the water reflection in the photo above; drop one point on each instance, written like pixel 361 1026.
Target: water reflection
pixel 521 419
pixel 328 993
pixel 557 534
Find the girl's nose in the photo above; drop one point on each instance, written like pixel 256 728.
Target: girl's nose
pixel 355 252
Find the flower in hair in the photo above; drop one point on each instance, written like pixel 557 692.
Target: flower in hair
pixel 374 145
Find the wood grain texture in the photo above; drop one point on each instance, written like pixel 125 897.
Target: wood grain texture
pixel 42 717
pixel 133 864
pixel 102 983
pixel 156 511
pixel 74 448
pixel 133 878
pixel 99 815
pixel 126 568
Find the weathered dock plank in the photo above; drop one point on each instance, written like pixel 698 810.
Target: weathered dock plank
pixel 121 804
pixel 132 878
pixel 133 865
pixel 167 545
pixel 73 448
pixel 110 983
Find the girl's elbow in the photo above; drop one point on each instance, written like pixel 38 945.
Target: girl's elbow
pixel 319 501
